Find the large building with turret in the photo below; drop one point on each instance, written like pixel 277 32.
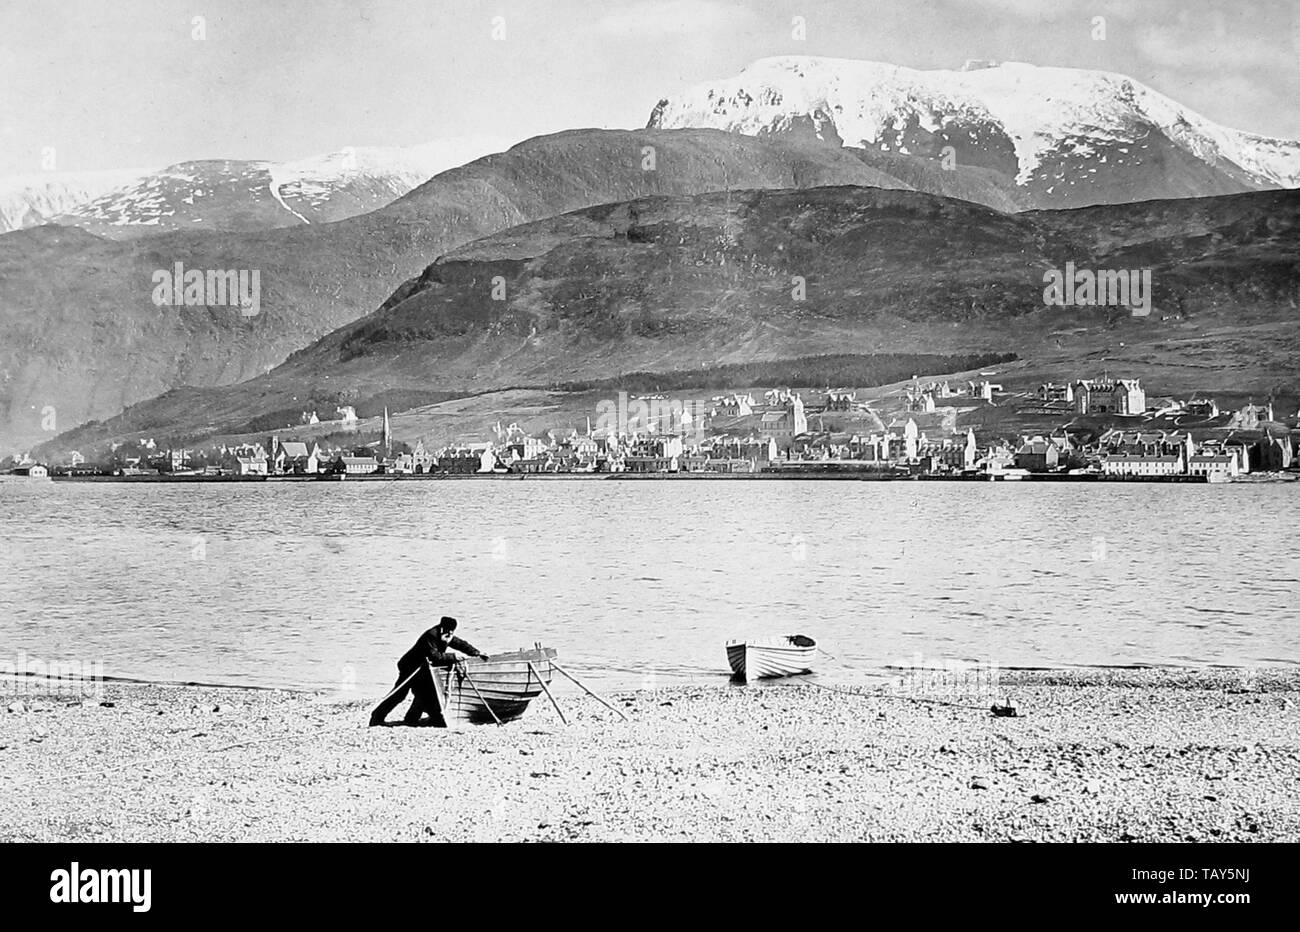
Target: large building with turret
pixel 1109 396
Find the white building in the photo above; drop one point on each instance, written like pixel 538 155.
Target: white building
pixel 1118 464
pixel 734 405
pixel 250 465
pixel 1208 464
pixel 911 438
pixel 358 465
pixel 1109 396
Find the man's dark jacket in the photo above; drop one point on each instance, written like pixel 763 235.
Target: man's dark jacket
pixel 435 650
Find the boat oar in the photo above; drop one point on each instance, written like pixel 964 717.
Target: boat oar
pixel 584 688
pixel 392 692
pixel 532 669
pixel 474 686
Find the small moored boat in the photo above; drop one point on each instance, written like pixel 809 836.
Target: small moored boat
pixel 786 655
pixel 504 684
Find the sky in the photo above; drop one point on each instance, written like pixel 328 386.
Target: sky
pixel 140 84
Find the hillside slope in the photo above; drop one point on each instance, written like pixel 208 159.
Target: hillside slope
pixel 675 283
pixel 85 338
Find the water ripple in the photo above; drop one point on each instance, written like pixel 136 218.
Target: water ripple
pixel 317 585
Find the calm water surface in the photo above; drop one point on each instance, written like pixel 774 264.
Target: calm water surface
pixel 323 585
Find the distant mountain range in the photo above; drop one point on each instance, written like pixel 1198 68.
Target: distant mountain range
pixel 220 194
pixel 678 283
pixel 84 337
pixel 332 240
pixel 1061 137
pixel 31 200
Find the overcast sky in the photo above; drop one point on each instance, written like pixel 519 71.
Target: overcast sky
pixel 124 83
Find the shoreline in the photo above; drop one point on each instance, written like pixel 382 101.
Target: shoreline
pixel 718 678
pixel 1113 754
pixel 797 474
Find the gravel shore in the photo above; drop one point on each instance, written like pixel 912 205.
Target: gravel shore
pixel 1130 755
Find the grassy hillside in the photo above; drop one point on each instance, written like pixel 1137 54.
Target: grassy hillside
pixel 678 284
pixel 84 337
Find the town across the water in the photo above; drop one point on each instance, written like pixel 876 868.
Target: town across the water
pixel 1091 429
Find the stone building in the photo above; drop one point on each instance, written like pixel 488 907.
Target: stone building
pixel 1109 396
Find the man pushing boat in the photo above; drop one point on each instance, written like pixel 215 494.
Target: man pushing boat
pixel 434 648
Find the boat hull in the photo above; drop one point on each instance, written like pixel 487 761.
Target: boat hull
pixel 504 685
pixel 771 657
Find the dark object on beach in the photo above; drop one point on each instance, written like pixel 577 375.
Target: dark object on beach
pixel 1003 711
pixel 786 655
pixel 433 649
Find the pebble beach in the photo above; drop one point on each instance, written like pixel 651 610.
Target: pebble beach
pixel 1112 756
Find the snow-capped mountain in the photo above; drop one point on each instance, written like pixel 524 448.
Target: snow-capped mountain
pixel 30 200
pixel 219 194
pixel 1067 137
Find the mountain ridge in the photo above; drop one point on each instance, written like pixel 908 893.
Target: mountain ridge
pixel 86 339
pixel 668 283
pixel 229 194
pixel 1047 129
pixel 34 199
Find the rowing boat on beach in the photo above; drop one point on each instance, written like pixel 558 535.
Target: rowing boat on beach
pixel 785 655
pixel 504 684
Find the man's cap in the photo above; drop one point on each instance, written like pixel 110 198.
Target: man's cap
pixel 447 623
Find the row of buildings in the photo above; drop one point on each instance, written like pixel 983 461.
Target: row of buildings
pixel 777 430
pixel 1139 454
pixel 1097 396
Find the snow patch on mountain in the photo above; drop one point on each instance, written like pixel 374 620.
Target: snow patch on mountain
pixel 146 200
pixel 207 192
pixel 1038 109
pixel 32 199
pixel 313 180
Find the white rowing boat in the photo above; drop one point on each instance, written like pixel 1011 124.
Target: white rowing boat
pixel 785 655
pixel 504 684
